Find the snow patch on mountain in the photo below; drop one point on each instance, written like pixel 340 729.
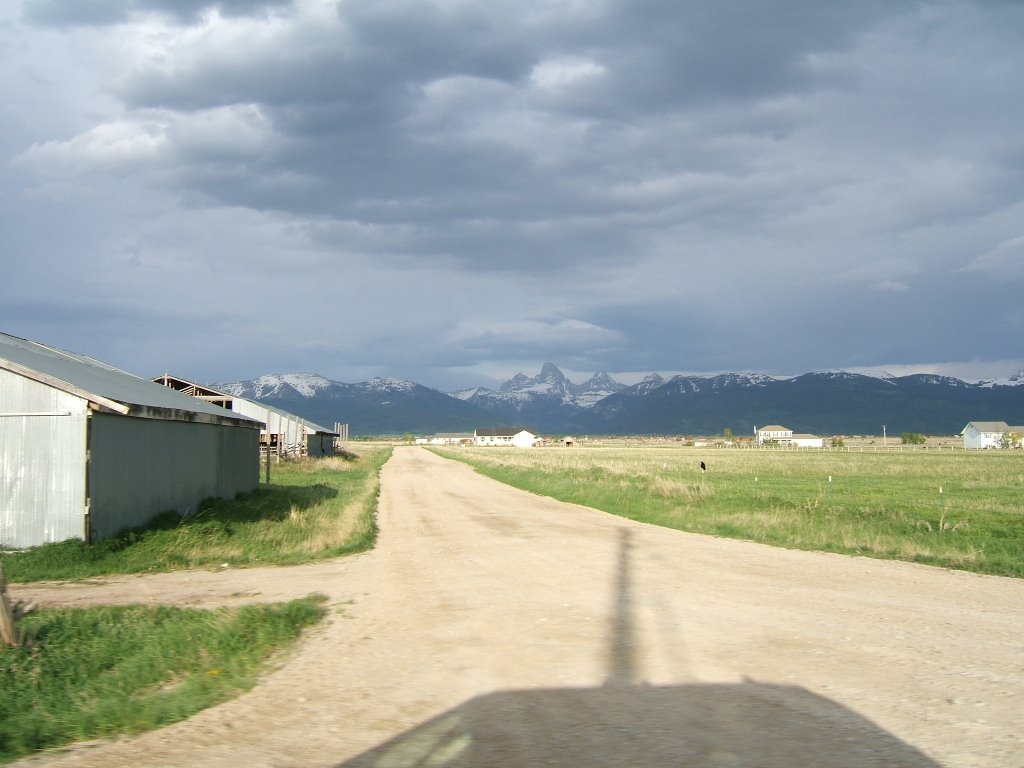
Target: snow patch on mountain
pixel 306 384
pixel 1016 380
pixel 388 384
pixel 277 385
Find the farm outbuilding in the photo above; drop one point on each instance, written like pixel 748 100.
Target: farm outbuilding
pixel 87 450
pixel 284 432
pixel 450 438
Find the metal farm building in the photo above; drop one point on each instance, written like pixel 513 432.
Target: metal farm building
pixel 87 450
pixel 284 433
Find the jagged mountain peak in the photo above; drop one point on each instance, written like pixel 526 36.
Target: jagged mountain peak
pixel 601 380
pixel 552 374
pixel 549 381
pixel 549 389
pixel 518 381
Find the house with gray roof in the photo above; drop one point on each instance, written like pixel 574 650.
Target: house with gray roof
pixel 991 434
pixel 88 450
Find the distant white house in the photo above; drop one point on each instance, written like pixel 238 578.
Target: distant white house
pixel 777 434
pixel 772 433
pixel 989 434
pixel 508 436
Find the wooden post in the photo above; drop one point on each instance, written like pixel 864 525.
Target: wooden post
pixel 9 634
pixel 269 417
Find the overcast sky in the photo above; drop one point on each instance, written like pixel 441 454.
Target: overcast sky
pixel 452 192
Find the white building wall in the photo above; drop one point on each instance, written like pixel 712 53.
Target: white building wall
pixel 42 463
pixel 808 442
pixel 773 434
pixel 276 424
pixel 524 439
pixel 976 439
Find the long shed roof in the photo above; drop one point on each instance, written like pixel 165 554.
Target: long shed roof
pixel 108 388
pixel 204 392
pixel 500 431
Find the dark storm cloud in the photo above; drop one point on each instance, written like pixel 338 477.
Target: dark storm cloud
pixel 345 101
pixel 639 185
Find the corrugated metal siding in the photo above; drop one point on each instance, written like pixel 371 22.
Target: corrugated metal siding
pixel 141 467
pixel 42 463
pixel 297 431
pixel 277 424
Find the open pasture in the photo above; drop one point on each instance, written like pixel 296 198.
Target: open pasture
pixel 955 509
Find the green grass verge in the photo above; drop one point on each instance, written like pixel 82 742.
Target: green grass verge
pixel 102 672
pixel 312 509
pixel 884 504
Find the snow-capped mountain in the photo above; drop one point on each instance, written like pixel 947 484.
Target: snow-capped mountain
pixel 1016 380
pixel 271 385
pixel 381 405
pixel 822 402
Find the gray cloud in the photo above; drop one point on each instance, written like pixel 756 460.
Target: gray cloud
pixel 779 186
pixel 66 13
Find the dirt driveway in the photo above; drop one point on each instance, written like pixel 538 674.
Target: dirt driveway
pixel 491 627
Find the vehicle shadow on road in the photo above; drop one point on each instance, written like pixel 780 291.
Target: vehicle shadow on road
pixel 628 723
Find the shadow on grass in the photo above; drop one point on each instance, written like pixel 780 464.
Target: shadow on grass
pixel 152 546
pixel 273 502
pixel 628 723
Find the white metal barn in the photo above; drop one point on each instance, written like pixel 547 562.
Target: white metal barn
pixel 283 431
pixel 806 441
pixel 87 450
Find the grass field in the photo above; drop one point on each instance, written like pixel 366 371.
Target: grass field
pixel 884 504
pixel 312 509
pixel 102 672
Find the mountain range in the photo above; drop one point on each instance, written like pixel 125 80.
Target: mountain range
pixel 824 403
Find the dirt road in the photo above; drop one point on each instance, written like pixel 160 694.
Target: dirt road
pixel 491 627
